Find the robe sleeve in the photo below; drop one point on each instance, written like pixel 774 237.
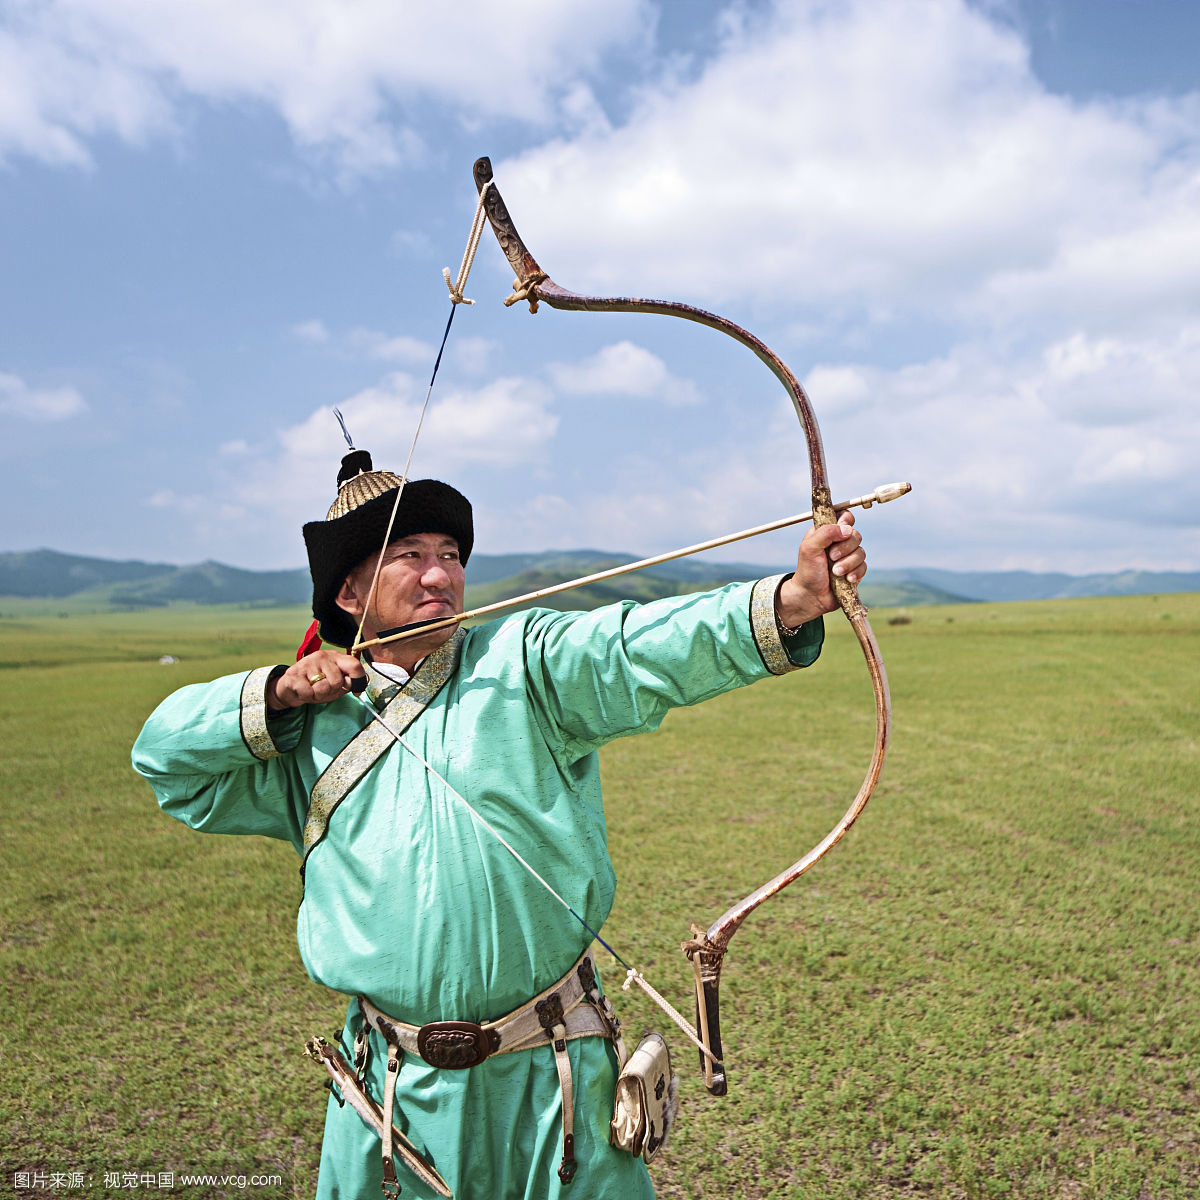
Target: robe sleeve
pixel 619 670
pixel 219 761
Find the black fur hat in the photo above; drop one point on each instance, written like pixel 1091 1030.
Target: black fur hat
pixel 355 525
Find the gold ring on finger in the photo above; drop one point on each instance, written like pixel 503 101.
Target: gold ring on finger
pixel 316 678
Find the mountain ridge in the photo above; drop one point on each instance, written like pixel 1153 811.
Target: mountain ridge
pixel 135 583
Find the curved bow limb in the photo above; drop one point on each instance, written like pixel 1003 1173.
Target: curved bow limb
pixel 707 948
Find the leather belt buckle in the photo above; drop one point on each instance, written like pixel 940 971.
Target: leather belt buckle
pixel 550 1013
pixel 456 1045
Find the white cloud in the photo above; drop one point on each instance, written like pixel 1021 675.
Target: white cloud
pixel 841 388
pixel 1010 468
pixel 866 162
pixel 395 348
pixel 208 515
pixel 1113 461
pixel 474 355
pixel 313 331
pixel 340 75
pixel 258 497
pixel 18 399
pixel 414 243
pixel 581 112
pixel 1138 269
pixel 370 343
pixel 1114 381
pixel 624 369
pixel 55 97
pixel 505 424
pixel 1034 458
pixel 189 505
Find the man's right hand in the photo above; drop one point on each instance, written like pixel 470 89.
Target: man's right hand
pixel 315 679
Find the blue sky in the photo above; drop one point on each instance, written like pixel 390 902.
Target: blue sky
pixel 973 230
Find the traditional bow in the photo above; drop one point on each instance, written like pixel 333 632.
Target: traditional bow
pixel 706 949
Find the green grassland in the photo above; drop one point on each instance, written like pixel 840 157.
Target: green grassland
pixel 989 989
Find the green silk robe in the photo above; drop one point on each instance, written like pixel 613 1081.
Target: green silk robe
pixel 408 900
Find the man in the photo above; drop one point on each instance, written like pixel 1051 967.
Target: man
pixel 414 902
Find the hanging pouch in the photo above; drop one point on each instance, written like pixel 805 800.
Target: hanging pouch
pixel 646 1100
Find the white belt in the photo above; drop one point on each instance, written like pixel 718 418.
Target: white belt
pixel 571 1008
pixel 456 1045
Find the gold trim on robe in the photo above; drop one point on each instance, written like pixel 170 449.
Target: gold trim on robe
pixel 254 714
pixel 765 627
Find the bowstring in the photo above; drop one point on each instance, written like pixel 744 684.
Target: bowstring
pixel 632 974
pixel 456 298
pixel 387 534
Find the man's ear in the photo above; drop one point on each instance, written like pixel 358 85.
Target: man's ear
pixel 347 598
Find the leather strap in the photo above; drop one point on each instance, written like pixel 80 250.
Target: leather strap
pixel 391 1187
pixel 520 1030
pixel 568 1166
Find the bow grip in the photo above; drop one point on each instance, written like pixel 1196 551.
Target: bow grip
pixel 846 592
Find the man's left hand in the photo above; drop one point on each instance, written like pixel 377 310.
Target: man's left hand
pixel 809 593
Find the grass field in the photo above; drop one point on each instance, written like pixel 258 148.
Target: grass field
pixel 990 989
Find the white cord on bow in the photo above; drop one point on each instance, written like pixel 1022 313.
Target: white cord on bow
pixel 477 225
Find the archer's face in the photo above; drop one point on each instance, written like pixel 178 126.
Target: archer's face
pixel 421 579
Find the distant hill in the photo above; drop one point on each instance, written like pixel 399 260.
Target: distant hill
pixel 103 583
pixel 96 583
pixel 215 583
pixel 570 564
pixel 48 573
pixel 1026 585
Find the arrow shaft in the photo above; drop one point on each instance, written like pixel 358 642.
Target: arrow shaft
pixel 880 496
